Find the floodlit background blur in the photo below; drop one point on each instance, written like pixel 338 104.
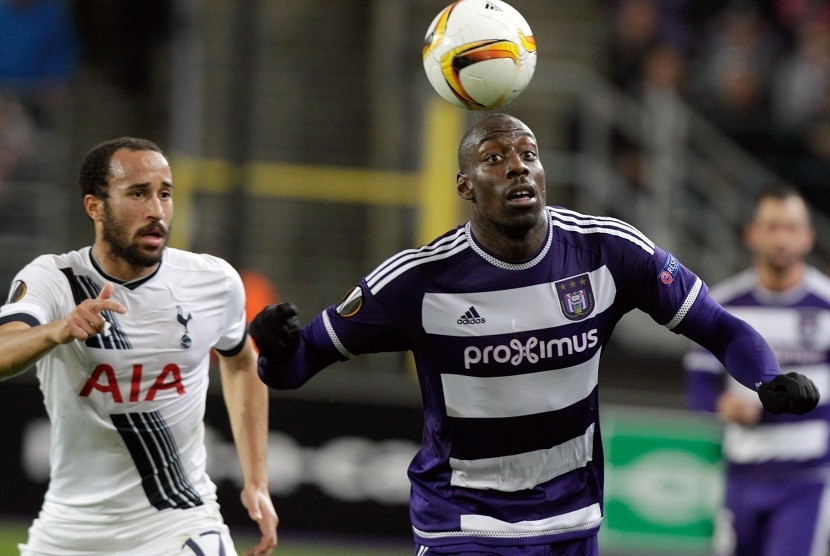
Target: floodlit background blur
pixel 307 146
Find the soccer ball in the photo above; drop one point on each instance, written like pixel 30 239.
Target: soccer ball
pixel 479 54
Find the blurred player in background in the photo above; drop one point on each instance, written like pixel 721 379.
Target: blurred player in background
pixel 121 334
pixel 507 316
pixel 777 500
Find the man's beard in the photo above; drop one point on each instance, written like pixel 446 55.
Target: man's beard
pixel 130 252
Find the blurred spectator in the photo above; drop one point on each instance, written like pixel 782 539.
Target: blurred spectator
pixel 791 15
pixel 639 26
pixel 662 79
pixel 635 31
pixel 732 74
pixel 800 112
pixel 807 162
pixel 17 137
pixel 38 54
pixel 737 40
pixel 802 81
pixel 665 131
pixel 664 125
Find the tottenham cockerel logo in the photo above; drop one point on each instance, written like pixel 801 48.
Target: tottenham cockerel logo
pixel 185 341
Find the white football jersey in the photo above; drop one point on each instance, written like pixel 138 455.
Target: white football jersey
pixel 127 405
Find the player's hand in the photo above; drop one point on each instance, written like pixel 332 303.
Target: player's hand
pixel 789 393
pixel 261 509
pixel 276 331
pixel 86 320
pixel 736 408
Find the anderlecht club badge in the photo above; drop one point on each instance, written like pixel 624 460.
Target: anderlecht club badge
pixel 576 298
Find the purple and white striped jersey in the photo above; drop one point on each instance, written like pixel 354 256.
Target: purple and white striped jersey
pixel 796 324
pixel 507 357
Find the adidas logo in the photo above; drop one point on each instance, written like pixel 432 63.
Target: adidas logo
pixel 471 317
pixel 491 6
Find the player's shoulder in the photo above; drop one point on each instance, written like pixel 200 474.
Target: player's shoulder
pixel 591 231
pixel 55 261
pixel 735 286
pixel 817 282
pixel 412 266
pixel 188 261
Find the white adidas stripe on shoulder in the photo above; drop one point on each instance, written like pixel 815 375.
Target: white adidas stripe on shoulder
pixel 581 223
pixel 406 253
pixel 410 258
pixel 573 216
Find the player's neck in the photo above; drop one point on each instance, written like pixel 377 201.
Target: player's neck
pixel 511 247
pixel 117 267
pixel 781 279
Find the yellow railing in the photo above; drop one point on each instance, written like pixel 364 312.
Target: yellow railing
pixel 432 190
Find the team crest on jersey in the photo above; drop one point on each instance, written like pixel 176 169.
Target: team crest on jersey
pixel 18 291
pixel 186 341
pixel 576 297
pixel 351 303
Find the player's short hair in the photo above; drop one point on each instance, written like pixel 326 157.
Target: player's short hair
pixel 93 176
pixel 472 138
pixel 778 190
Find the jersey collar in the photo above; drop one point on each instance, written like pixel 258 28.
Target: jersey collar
pixel 495 261
pixel 131 285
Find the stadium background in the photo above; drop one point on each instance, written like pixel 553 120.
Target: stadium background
pixel 307 146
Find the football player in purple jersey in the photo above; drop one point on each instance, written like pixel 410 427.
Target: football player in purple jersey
pixel 778 466
pixel 506 317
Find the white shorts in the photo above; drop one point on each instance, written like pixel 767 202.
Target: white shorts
pixel 196 531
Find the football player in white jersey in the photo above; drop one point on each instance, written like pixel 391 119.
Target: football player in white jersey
pixel 121 334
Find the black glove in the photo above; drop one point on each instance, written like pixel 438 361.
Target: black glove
pixel 789 393
pixel 276 331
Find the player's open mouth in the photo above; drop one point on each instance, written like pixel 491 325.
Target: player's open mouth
pixel 521 195
pixel 154 237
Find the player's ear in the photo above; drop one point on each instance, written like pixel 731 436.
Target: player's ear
pixel 94 207
pixel 464 187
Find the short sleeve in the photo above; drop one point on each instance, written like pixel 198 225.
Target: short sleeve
pixel 234 329
pixel 660 285
pixel 35 294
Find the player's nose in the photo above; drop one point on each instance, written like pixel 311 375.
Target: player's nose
pixel 155 207
pixel 516 165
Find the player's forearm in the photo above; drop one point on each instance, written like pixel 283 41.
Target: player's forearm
pixel 246 399
pixel 21 346
pixel 250 429
pixel 744 352
pixel 738 346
